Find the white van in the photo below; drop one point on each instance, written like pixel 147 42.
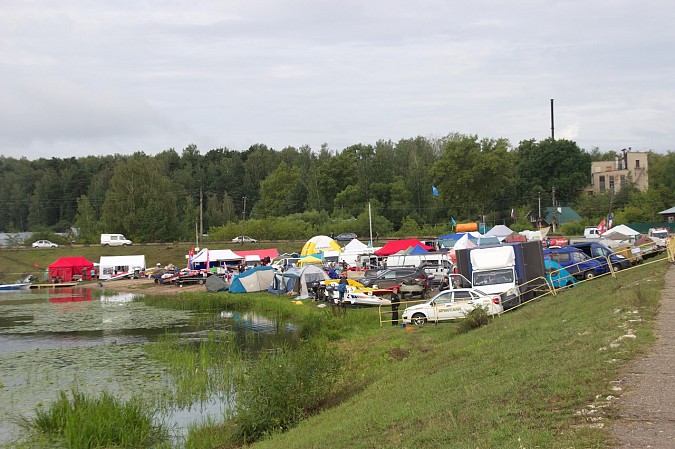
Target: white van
pixel 114 240
pixel 591 232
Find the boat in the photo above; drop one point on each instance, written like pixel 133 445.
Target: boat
pixel 17 286
pixel 54 285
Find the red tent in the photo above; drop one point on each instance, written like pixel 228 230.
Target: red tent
pixel 262 253
pixel 397 245
pixel 67 267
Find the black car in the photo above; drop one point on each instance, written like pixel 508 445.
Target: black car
pixel 345 237
pixel 410 280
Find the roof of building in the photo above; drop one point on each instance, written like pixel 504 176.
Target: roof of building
pixel 564 215
pixel 668 211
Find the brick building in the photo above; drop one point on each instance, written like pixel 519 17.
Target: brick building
pixel 630 166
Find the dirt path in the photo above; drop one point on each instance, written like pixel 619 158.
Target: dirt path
pixel 147 287
pixel 647 408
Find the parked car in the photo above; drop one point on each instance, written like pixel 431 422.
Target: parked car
pixel 450 305
pixel 345 237
pixel 244 239
pixel 410 280
pixel 576 262
pixel 595 249
pixel 44 244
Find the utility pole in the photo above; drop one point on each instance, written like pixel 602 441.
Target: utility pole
pixel 201 212
pixel 554 210
pixel 552 128
pixel 539 217
pixel 243 220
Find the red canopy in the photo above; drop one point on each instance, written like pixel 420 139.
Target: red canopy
pixel 262 253
pixel 67 267
pixel 397 245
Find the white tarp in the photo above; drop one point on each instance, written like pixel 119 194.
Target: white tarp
pixel 110 266
pixel 492 258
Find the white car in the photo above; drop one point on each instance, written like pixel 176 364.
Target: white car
pixel 244 239
pixel 44 244
pixel 452 304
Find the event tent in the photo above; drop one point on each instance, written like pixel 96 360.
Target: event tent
pixel 319 243
pixel 395 246
pixel 111 266
pixel 255 279
pixel 631 233
pixel 355 246
pixel 65 267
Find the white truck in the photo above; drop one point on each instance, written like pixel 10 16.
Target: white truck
pixel 591 232
pixel 513 270
pixel 659 235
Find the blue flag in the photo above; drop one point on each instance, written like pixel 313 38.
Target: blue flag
pixel 434 190
pixel 452 220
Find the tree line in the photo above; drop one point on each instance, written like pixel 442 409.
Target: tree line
pixel 298 192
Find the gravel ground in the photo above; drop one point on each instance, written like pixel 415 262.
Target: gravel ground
pixel 148 287
pixel 647 408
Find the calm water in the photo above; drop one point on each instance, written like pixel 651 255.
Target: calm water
pixel 88 339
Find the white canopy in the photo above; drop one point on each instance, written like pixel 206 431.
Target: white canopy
pixel 215 255
pixel 464 243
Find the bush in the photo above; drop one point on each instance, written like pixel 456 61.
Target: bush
pixel 102 422
pixel 282 389
pixel 476 318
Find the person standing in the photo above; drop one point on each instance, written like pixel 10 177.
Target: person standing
pixel 394 306
pixel 445 284
pixel 342 289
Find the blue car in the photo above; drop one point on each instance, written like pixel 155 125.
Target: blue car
pixel 557 276
pixel 598 250
pixel 576 262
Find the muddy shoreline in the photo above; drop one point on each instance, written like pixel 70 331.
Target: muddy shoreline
pixel 144 286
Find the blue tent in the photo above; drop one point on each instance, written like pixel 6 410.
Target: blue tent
pixel 283 282
pixel 418 250
pixel 558 276
pixel 256 279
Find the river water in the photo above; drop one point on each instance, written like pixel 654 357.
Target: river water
pixel 93 340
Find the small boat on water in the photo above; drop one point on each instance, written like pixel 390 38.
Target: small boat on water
pixel 17 286
pixel 55 285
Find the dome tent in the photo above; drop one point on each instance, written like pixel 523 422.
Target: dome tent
pixel 319 243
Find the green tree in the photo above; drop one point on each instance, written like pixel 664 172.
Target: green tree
pixel 552 163
pixel 140 202
pixel 86 221
pixel 278 193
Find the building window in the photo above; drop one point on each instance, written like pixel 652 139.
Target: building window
pixel 637 163
pixel 611 183
pixel 601 183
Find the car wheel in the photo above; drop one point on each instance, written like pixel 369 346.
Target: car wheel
pixel 201 281
pixel 590 274
pixel 418 319
pixel 616 267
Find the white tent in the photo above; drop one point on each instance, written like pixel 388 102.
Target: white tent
pixel 355 246
pixel 308 275
pixel 464 243
pixel 112 266
pixel 224 255
pixel 623 229
pixel 499 231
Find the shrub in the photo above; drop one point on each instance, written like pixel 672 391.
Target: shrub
pixel 282 389
pixel 97 422
pixel 476 318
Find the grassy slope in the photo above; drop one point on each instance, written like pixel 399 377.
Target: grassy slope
pixel 518 382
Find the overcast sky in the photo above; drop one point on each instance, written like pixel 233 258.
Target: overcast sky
pixel 94 77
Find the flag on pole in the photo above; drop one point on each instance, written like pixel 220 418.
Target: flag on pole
pixel 434 191
pixel 602 227
pixel 610 220
pixel 513 214
pixel 452 220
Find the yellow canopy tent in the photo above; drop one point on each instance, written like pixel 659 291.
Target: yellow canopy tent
pixel 309 260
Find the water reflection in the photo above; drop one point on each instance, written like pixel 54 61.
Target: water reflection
pixel 92 340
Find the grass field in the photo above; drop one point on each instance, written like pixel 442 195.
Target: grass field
pixel 539 376
pixel 17 263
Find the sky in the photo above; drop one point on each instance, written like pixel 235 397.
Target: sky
pixel 92 77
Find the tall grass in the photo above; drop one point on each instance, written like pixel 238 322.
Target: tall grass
pixel 84 422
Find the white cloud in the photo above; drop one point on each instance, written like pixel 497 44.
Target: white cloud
pixel 104 77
